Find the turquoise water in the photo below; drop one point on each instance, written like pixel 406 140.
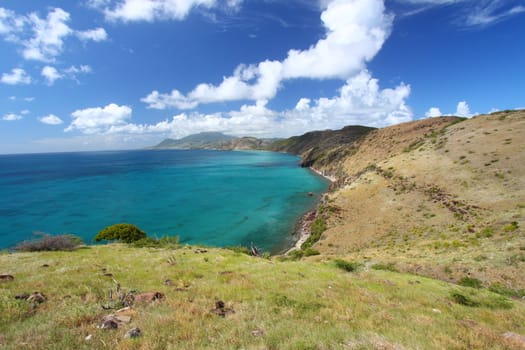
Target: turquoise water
pixel 205 197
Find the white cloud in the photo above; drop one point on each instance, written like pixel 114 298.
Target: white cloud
pixel 474 13
pixel 463 110
pixel 11 117
pixel 360 101
pixel 25 112
pixel 99 120
pixel 43 39
pixel 49 35
pixel 433 112
pixel 151 10
pixel 355 32
pixel 98 34
pixel 51 119
pixel 51 74
pixel 18 76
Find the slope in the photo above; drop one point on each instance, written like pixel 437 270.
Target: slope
pixel 436 197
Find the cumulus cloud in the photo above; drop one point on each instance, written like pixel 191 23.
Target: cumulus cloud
pixel 99 119
pixel 359 101
pixel 151 10
pixel 433 112
pixel 463 110
pixel 50 119
pixel 18 76
pixel 43 39
pixel 354 33
pixel 98 34
pixel 51 74
pixel 11 117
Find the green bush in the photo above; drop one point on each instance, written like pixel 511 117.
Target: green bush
pixel 470 282
pixel 163 242
pixel 50 243
pixel 387 267
pixel 311 252
pixel 349 266
pixel 509 292
pixel 126 233
pixel 464 300
pixel 316 230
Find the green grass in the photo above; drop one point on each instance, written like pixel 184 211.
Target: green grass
pixel 287 305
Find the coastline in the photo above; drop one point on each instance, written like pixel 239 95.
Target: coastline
pixel 302 228
pixel 332 179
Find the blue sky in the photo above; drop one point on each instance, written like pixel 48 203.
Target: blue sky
pixel 121 74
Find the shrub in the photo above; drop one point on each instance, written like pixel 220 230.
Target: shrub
pixel 126 233
pixel 464 300
pixel 163 242
pixel 50 243
pixel 316 230
pixel 470 282
pixel 509 292
pixel 349 266
pixel 513 226
pixel 311 252
pixel 387 267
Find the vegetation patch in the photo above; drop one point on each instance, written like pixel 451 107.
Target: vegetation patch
pixel 50 243
pixel 471 282
pixel 348 266
pixel 316 230
pixel 387 267
pixel 125 233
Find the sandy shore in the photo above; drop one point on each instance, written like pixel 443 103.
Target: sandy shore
pixel 320 173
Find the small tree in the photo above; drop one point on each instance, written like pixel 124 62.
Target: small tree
pixel 126 233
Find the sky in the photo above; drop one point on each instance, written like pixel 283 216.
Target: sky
pixel 124 74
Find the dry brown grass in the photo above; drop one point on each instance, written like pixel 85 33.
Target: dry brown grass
pixel 438 199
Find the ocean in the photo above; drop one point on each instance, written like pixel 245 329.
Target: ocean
pixel 215 198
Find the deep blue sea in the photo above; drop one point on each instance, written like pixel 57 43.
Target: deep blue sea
pixel 215 198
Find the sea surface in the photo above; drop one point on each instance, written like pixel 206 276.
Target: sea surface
pixel 215 198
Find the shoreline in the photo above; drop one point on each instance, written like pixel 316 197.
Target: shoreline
pixel 302 228
pixel 332 179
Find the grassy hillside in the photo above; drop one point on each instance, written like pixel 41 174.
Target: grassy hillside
pixel 440 197
pixel 421 246
pixel 268 304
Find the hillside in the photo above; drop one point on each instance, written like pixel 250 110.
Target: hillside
pixel 420 244
pixel 441 197
pixel 216 141
pixel 218 299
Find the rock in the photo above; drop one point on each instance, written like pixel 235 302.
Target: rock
pixel 6 278
pixel 36 297
pixel 168 282
pixel 88 337
pixel 148 297
pixel 221 309
pixel 515 339
pixel 22 296
pixel 133 333
pixel 258 333
pixel 45 265
pixel 108 324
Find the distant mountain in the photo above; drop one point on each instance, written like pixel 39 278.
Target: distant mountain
pixel 203 140
pixel 215 140
pixel 322 147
